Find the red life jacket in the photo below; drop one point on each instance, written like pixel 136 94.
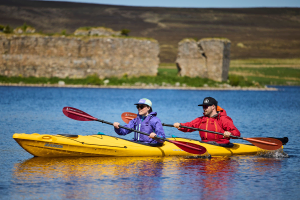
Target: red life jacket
pixel 220 123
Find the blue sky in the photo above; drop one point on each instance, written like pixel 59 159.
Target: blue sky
pixel 198 3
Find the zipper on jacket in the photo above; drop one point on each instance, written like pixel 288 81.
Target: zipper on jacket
pixel 216 128
pixel 138 138
pixel 206 127
pixel 139 128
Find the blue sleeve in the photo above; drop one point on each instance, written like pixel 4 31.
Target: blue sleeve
pixel 122 131
pixel 158 129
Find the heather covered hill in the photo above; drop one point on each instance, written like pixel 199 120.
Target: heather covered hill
pixel 253 32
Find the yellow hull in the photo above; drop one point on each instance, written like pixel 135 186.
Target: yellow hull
pixel 103 145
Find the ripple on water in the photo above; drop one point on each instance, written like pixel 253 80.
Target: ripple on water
pixel 255 113
pixel 279 153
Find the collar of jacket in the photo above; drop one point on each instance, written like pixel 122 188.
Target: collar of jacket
pixel 215 116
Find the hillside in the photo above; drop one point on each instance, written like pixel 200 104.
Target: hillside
pixel 254 32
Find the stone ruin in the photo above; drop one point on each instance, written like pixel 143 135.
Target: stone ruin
pixel 77 57
pixel 207 58
pixel 107 56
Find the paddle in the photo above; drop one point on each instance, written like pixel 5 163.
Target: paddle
pixel 261 142
pixel 76 114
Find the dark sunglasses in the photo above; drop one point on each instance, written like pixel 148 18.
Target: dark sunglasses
pixel 205 107
pixel 141 106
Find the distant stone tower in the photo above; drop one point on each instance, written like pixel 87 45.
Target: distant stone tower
pixel 207 58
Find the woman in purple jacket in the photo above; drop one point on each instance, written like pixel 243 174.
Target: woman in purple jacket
pixel 146 121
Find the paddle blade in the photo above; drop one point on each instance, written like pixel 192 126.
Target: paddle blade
pixel 265 143
pixel 284 140
pixel 128 116
pixel 76 114
pixel 189 147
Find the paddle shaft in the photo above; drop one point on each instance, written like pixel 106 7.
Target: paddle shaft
pixel 264 143
pixel 82 116
pixel 188 145
pixel 198 129
pixel 232 136
pixel 106 122
pixel 131 129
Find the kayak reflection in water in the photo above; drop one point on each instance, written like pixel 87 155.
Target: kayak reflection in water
pixel 147 122
pixel 214 119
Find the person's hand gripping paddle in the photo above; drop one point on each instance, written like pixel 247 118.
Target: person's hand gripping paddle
pixel 261 142
pixel 79 115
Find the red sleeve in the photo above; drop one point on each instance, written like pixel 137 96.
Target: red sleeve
pixel 227 125
pixel 195 124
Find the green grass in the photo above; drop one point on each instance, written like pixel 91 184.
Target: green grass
pixel 165 77
pixel 249 76
pixel 242 81
pixel 162 65
pixel 91 80
pixel 265 61
pixel 167 71
pixel 273 81
pixel 270 71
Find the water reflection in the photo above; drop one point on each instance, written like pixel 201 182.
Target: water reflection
pixel 137 175
pixel 85 178
pixel 213 177
pixel 86 166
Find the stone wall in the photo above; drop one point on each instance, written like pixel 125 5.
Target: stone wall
pixel 77 57
pixel 207 58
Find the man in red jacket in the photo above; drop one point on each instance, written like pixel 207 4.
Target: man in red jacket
pixel 214 119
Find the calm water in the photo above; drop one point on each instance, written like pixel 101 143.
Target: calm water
pixel 255 113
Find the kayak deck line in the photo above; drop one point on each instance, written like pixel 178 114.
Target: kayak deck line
pixel 104 145
pixel 49 149
pixel 88 143
pixel 97 136
pixel 65 151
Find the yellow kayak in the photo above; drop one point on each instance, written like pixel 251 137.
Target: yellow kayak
pixel 104 145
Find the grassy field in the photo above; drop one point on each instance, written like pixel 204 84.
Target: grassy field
pixel 165 77
pixel 268 71
pixel 293 63
pixel 243 73
pixel 258 71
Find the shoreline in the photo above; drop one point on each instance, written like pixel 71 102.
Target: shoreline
pixel 139 87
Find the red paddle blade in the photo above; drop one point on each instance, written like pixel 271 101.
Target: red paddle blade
pixel 189 147
pixel 128 116
pixel 76 114
pixel 265 143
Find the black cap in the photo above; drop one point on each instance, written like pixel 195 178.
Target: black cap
pixel 208 101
